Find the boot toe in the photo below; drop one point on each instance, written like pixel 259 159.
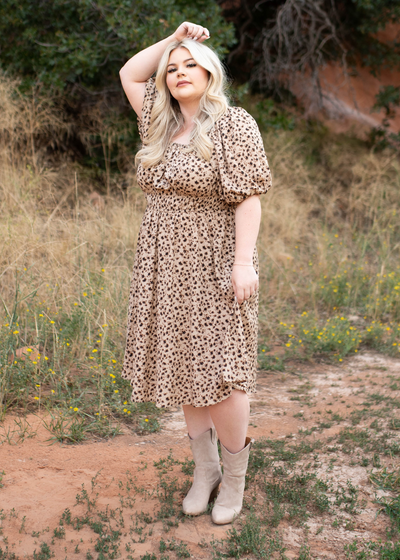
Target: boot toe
pixel 221 515
pixel 190 510
pixel 196 503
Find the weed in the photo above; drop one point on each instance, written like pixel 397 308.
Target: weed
pixel 352 551
pixel 389 551
pixel 259 461
pixel 294 497
pixel 107 545
pixel 269 362
pixel 149 425
pixel 83 498
pixel 167 464
pixel 44 554
pixel 305 552
pixel 391 506
pixel 348 498
pixel 252 538
pixel 6 555
pixel 22 528
pixel 386 479
pixel 59 532
pixel 180 548
pixel 188 466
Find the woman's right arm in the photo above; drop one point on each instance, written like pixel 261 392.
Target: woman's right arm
pixel 142 66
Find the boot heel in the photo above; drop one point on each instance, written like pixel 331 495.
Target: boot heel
pixel 213 494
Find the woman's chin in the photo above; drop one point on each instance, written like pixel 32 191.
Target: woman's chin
pixel 183 96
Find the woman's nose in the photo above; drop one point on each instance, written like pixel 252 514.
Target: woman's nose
pixel 181 72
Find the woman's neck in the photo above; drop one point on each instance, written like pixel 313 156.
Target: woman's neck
pixel 189 111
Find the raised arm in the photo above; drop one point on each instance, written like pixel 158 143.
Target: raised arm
pixel 142 66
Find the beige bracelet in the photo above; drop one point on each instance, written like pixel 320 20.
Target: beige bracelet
pixel 241 264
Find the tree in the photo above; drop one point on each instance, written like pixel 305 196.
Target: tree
pixel 82 44
pixel 72 50
pixel 277 38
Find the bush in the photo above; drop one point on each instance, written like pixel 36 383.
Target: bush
pixel 64 43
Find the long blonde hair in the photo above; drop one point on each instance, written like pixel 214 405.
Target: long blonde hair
pixel 166 117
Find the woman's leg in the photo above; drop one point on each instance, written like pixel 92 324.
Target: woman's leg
pixel 198 420
pixel 231 419
pixel 207 472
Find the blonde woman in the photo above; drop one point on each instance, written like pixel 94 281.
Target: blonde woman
pixel 192 319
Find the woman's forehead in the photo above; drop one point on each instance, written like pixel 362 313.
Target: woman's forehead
pixel 179 54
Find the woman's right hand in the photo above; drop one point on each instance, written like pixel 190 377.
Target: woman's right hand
pixel 188 30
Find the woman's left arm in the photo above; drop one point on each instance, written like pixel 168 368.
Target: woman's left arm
pixel 247 224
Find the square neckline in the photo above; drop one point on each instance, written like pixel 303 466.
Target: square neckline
pixel 179 144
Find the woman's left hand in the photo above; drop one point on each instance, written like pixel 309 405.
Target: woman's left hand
pixel 244 282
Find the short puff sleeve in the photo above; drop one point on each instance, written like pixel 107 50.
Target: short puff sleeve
pixel 242 161
pixel 150 95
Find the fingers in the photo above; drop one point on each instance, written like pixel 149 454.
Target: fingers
pixel 243 294
pixel 240 296
pixel 201 32
pixel 244 283
pixel 205 36
pixel 195 32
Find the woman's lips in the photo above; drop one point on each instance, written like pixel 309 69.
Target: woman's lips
pixel 179 84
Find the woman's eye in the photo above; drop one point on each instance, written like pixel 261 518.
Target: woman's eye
pixel 192 65
pixel 171 70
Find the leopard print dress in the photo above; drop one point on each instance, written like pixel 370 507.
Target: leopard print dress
pixel 188 339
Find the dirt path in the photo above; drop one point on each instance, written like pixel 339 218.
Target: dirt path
pixel 307 404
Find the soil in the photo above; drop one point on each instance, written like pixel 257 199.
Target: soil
pixel 42 480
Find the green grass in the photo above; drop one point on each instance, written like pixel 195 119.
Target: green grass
pixel 74 378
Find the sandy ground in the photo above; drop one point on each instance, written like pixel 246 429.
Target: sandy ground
pixel 42 480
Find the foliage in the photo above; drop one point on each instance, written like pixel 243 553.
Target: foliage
pixel 364 18
pixel 387 99
pixel 72 52
pixel 84 44
pixel 269 115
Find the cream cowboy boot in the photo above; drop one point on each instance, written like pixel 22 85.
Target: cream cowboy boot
pixel 207 474
pixel 230 498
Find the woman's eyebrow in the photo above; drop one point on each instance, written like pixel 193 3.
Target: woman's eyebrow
pixel 173 63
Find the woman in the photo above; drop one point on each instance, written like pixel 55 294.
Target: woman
pixel 192 319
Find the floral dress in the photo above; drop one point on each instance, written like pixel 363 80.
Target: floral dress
pixel 188 340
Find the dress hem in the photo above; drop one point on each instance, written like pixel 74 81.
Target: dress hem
pixel 233 387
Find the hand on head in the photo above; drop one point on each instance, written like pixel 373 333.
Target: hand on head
pixel 193 31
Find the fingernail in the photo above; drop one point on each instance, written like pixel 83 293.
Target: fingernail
pixel 195 39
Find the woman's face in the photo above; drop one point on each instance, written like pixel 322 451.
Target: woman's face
pixel 186 80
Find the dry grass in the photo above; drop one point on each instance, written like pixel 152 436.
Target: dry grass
pixel 334 206
pixel 54 233
pixel 332 215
